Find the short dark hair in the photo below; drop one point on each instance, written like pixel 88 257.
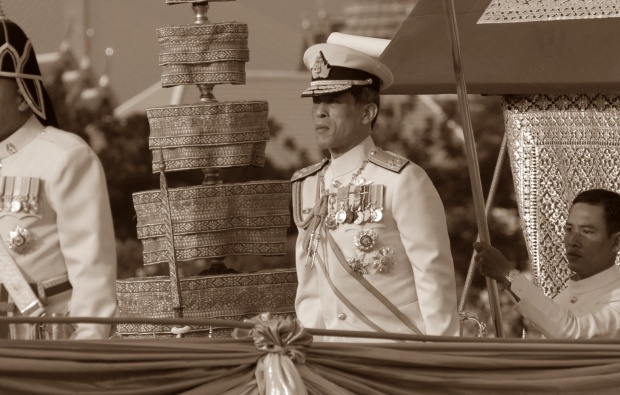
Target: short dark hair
pixel 366 95
pixel 608 200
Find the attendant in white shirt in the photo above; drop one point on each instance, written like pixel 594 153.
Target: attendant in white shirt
pixel 590 305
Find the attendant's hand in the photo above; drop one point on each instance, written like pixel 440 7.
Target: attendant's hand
pixel 491 262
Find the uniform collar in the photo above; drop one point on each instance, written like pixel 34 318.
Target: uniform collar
pixel 21 137
pixel 594 282
pixel 352 159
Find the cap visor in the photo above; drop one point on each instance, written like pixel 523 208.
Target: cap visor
pixel 322 90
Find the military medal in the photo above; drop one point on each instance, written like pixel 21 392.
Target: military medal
pixel 356 204
pixel 345 211
pixel 17 202
pixel 367 203
pixel 376 196
pixel 342 197
pixel 19 240
pixel 384 260
pixel 366 215
pixel 33 195
pixel 16 205
pixel 330 222
pixel 330 219
pixel 341 216
pixel 365 239
pixel 360 218
pixel 349 218
pixel 378 215
pixel 357 264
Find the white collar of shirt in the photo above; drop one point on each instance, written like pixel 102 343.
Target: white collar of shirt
pixel 21 137
pixel 351 160
pixel 594 282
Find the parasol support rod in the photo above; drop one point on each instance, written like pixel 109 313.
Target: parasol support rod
pixel 472 158
pixel 489 204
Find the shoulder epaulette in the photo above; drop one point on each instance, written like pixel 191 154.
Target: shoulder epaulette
pixel 387 160
pixel 307 171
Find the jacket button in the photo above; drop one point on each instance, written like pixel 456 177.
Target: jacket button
pixel 342 316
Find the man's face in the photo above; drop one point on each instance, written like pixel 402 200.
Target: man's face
pixel 338 122
pixel 9 102
pixel 589 247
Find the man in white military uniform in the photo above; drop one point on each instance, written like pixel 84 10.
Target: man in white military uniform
pixel 373 252
pixel 58 251
pixel 589 307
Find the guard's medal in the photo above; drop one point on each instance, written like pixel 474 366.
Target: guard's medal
pixel 17 204
pixel 19 240
pixel 19 195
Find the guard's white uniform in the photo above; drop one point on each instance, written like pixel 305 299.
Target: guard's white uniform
pixel 421 283
pixel 586 309
pixel 71 231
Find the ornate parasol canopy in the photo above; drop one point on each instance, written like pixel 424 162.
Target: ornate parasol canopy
pixel 556 67
pixel 555 48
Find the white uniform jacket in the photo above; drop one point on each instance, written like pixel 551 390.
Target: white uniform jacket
pixel 586 309
pixel 71 231
pixel 412 234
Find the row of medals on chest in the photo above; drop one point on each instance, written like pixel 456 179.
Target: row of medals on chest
pixel 358 203
pixel 19 194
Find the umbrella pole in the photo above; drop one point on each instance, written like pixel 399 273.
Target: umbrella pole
pixel 472 159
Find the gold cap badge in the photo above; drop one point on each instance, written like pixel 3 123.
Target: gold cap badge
pixel 320 68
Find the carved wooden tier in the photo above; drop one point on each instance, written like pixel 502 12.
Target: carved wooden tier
pixel 217 134
pixel 231 296
pixel 216 220
pixel 203 54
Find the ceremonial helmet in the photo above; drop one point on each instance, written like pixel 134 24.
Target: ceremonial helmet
pixel 18 60
pixel 345 61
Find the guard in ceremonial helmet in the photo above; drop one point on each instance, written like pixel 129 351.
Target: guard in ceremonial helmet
pixel 373 252
pixel 57 248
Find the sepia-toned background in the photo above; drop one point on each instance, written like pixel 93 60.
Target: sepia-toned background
pixel 100 63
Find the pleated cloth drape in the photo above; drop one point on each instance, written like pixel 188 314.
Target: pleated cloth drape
pixel 278 357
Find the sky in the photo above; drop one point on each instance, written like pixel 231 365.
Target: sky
pixel 128 27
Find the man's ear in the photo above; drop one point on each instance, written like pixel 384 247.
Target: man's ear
pixel 23 104
pixel 370 113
